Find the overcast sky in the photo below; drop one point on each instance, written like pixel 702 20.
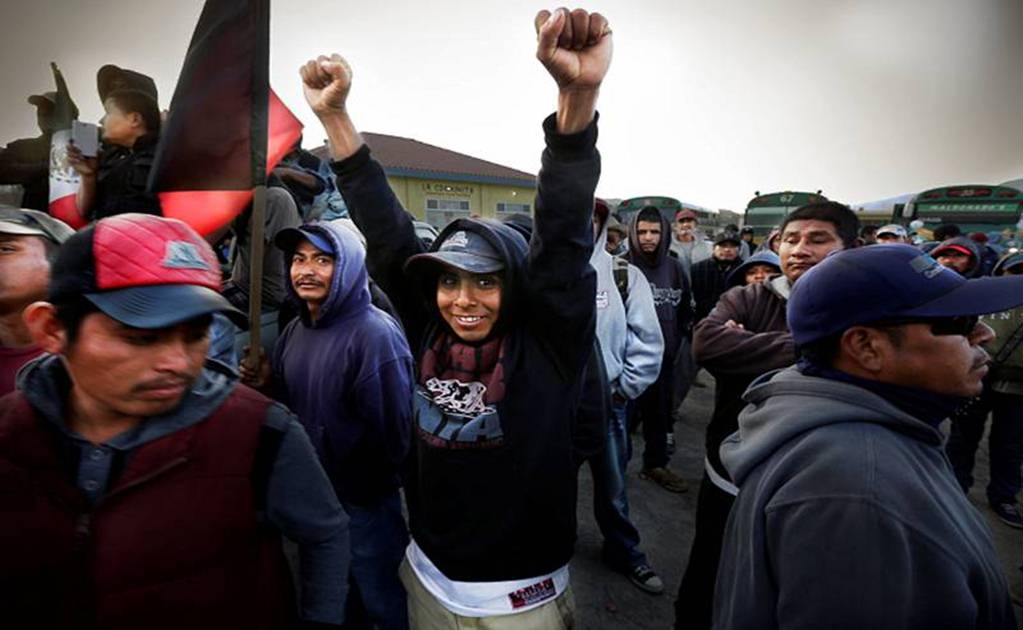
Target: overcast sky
pixel 705 101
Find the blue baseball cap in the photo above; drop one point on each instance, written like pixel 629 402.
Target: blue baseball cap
pixel 462 249
pixel 289 239
pixel 882 282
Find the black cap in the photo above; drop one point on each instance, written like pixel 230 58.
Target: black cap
pixel 110 78
pixel 727 236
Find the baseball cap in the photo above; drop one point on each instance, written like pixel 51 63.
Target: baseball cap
pixel 289 239
pixel 951 246
pixel 686 213
pixel 726 237
pixel 25 222
pixel 110 78
pixel 883 282
pixel 47 99
pixel 465 250
pixel 893 229
pixel 142 270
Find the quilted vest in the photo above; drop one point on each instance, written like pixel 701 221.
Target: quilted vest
pixel 176 542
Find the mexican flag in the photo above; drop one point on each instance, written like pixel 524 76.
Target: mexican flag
pixel 64 180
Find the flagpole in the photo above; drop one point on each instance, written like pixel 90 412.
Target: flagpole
pixel 257 230
pixel 260 14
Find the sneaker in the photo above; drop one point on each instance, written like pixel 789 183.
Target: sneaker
pixel 1009 514
pixel 665 478
pixel 645 578
pixel 670 444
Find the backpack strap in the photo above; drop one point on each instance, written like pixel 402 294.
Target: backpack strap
pixel 620 270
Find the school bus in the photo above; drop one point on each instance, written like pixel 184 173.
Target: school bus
pixel 708 219
pixel 973 207
pixel 766 212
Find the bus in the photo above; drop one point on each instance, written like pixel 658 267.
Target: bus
pixel 766 212
pixel 973 207
pixel 669 206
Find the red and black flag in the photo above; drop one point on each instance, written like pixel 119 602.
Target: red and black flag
pixel 226 129
pixel 64 179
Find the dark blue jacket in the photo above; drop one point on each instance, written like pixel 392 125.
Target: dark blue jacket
pixel 348 377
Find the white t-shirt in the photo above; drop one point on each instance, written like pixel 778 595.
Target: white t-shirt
pixel 485 599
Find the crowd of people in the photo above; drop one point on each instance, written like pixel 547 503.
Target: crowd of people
pixel 151 476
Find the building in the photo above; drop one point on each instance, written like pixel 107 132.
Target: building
pixel 437 185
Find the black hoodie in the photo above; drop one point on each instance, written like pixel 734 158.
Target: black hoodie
pixel 491 486
pixel 673 297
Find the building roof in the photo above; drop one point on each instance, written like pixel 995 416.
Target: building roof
pixel 405 157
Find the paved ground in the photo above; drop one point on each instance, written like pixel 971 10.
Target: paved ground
pixel 607 600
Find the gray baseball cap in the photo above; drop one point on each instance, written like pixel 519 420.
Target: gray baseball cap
pixel 463 250
pixel 25 222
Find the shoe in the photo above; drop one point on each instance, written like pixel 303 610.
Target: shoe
pixel 665 478
pixel 1009 514
pixel 645 578
pixel 670 444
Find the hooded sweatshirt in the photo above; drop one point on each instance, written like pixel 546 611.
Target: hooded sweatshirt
pixel 975 268
pixel 669 283
pixel 629 333
pixel 849 516
pixel 348 376
pixel 491 486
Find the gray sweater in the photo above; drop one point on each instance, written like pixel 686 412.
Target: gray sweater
pixel 848 516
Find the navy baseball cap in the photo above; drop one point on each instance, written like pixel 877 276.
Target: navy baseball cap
pixel 289 239
pixel 142 270
pixel 465 250
pixel 883 282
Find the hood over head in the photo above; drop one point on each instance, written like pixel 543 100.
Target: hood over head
pixel 602 215
pixel 637 254
pixel 349 287
pixel 786 403
pixel 506 243
pixel 1007 261
pixel 965 245
pixel 737 276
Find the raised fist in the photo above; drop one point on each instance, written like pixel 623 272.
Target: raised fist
pixel 575 47
pixel 325 83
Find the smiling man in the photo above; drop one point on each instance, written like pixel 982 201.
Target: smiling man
pixel 849 515
pixel 144 487
pixel 502 330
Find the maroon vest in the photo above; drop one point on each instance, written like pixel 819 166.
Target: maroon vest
pixel 175 542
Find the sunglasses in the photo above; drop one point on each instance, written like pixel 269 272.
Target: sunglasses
pixel 961 325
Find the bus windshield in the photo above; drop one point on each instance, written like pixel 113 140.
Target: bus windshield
pixel 973 208
pixel 766 212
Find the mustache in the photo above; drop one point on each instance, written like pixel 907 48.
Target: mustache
pixel 177 380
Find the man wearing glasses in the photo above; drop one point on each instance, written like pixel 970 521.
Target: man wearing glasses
pixel 848 514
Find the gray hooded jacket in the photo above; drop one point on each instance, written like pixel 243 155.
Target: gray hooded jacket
pixel 848 516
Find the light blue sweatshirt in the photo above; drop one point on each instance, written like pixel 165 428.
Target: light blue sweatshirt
pixel 629 334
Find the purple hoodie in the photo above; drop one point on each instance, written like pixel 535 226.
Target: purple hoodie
pixel 349 378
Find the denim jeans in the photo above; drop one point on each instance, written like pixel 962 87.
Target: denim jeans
pixel 610 503
pixel 1005 444
pixel 376 597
